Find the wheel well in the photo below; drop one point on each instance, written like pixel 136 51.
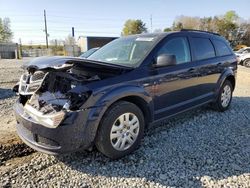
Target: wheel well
pixel 232 80
pixel 142 104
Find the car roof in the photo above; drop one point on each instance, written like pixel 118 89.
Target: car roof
pixel 148 35
pixel 164 34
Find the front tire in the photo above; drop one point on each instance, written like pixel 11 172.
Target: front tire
pixel 224 98
pixel 120 130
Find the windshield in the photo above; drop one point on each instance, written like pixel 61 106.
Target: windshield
pixel 88 53
pixel 127 51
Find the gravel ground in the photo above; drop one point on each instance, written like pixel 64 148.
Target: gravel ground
pixel 10 72
pixel 201 148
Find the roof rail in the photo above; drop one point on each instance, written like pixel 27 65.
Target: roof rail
pixel 201 31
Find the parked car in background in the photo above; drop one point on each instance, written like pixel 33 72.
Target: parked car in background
pixel 243 56
pixel 88 52
pixel 109 99
pixel 240 46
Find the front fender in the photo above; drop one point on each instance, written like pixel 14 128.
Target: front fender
pixel 115 94
pixel 111 96
pixel 123 91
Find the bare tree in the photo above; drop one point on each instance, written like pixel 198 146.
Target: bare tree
pixel 70 41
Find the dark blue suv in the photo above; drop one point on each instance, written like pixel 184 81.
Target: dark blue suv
pixel 108 99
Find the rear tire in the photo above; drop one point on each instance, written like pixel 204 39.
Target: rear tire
pixel 224 98
pixel 120 130
pixel 246 63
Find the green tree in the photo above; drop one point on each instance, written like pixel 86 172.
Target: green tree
pixel 132 27
pixel 167 29
pixel 5 31
pixel 227 25
pixel 231 16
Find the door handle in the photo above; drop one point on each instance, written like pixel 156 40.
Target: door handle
pixel 155 83
pixel 191 70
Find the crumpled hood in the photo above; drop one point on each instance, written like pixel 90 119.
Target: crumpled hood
pixel 48 62
pixel 57 62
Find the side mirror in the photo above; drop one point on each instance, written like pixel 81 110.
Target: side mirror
pixel 15 88
pixel 164 60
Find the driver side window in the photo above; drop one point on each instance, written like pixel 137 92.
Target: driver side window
pixel 179 47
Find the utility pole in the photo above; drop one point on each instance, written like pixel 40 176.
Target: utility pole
pixel 45 29
pixel 73 32
pixel 151 23
pixel 20 51
pixel 73 36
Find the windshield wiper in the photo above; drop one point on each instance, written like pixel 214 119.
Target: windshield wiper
pixel 107 63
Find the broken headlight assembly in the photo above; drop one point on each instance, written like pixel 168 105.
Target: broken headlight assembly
pixel 50 113
pixel 76 100
pixel 49 120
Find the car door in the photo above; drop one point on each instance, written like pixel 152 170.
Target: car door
pixel 209 67
pixel 175 87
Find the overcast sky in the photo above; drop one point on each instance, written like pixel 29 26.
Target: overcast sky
pixel 106 17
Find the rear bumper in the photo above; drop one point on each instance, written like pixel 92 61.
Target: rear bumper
pixel 77 131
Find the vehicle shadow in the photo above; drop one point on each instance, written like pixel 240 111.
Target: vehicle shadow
pixel 190 150
pixel 6 93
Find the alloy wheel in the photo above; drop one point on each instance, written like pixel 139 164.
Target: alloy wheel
pixel 247 64
pixel 226 96
pixel 124 131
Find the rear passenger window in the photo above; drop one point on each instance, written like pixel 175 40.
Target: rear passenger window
pixel 222 48
pixel 179 47
pixel 203 48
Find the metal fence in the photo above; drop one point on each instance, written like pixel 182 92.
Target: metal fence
pixel 36 52
pixel 72 50
pixel 9 51
pixel 12 51
pixel 67 50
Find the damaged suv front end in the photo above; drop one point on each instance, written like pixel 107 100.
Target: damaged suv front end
pixel 56 111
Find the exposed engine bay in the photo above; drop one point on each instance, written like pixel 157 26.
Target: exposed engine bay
pixel 55 94
pixel 49 92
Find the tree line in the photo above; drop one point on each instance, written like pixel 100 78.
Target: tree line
pixel 229 25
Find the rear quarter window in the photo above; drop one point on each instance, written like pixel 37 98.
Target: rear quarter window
pixel 203 48
pixel 222 48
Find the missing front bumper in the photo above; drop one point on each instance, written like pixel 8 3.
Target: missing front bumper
pixel 71 135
